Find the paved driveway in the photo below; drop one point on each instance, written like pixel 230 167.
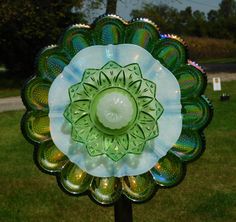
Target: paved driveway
pixel 11 103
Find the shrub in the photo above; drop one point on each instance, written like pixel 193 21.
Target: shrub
pixel 209 48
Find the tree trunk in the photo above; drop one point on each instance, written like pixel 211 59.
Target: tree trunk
pixel 111 6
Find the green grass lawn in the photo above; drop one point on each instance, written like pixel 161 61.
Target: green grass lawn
pixel 9 86
pixel 207 194
pixel 9 92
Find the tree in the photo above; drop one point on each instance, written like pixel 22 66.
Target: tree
pixel 199 24
pixel 212 16
pixel 165 16
pixel 227 8
pixel 170 20
pixel 218 24
pixel 227 18
pixel 27 26
pixel 222 23
pixel 111 7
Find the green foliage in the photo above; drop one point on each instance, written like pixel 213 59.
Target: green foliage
pixel 222 23
pixel 27 26
pixel 163 15
pixel 203 48
pixel 217 24
pixel 227 8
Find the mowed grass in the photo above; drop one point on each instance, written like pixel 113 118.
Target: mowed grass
pixel 8 92
pixel 208 192
pixel 9 86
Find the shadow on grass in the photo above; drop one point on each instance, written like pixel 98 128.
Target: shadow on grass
pixel 220 205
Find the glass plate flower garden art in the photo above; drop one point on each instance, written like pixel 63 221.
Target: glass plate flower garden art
pixel 116 109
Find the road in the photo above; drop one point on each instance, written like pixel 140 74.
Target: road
pixel 225 77
pixel 15 103
pixel 215 68
pixel 11 103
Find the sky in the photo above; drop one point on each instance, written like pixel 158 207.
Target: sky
pixel 125 7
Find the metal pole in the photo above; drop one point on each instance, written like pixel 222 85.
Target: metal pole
pixel 123 210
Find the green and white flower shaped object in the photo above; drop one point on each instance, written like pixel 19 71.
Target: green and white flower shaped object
pixel 116 109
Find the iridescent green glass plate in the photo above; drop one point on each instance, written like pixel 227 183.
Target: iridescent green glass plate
pixel 101 102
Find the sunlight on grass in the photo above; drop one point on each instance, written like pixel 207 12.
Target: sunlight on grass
pixel 208 192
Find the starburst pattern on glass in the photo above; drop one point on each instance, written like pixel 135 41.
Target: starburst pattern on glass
pixel 107 113
pixel 113 110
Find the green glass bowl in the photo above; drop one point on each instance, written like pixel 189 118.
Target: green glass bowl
pixel 196 111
